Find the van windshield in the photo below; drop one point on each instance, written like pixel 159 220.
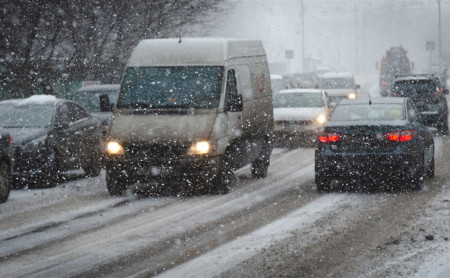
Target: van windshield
pixel 171 87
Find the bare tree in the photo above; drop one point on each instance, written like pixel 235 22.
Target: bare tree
pixel 42 42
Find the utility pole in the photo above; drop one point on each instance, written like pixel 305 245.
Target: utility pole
pixel 356 39
pixel 303 35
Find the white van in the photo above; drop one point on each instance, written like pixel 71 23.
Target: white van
pixel 194 110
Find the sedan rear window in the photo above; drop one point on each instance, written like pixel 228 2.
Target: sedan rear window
pixel 408 88
pixel 367 112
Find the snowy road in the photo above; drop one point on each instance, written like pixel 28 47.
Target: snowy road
pixel 276 226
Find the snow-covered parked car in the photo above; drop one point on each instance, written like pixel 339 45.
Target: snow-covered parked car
pixel 50 135
pixel 299 114
pixel 6 164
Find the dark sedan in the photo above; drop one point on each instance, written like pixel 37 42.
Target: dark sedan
pixel 50 136
pixel 368 140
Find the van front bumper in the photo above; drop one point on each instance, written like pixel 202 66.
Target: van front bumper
pixel 144 168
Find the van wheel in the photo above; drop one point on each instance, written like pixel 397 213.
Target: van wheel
pixel 5 182
pixel 93 167
pixel 225 178
pixel 259 169
pixel 261 164
pixel 116 181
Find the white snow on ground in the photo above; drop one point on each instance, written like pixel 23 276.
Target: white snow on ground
pixel 437 263
pixel 229 255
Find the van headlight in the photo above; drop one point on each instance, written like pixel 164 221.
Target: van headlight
pixel 113 147
pixel 321 119
pixel 351 95
pixel 200 147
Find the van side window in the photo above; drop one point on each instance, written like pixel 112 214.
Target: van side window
pixel 244 82
pixel 231 83
pixel 233 100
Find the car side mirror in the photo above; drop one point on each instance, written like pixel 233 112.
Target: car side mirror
pixel 446 92
pixel 105 105
pixel 235 103
pixel 60 125
pixel 358 86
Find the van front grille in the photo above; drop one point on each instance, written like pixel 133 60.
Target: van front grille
pixel 154 151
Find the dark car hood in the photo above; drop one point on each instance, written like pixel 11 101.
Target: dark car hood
pixel 24 135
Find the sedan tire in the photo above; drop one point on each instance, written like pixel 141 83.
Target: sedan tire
pixel 322 183
pixel 5 182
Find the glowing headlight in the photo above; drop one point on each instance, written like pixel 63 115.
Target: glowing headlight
pixel 321 119
pixel 351 95
pixel 200 147
pixel 114 148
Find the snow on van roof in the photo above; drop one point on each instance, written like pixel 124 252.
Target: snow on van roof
pixel 193 51
pixel 103 87
pixel 318 91
pixel 35 99
pixel 336 75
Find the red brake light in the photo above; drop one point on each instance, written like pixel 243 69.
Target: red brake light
pixel 10 139
pixel 330 137
pixel 400 136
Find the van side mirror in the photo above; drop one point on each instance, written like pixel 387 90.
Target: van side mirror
pixel 105 105
pixel 235 103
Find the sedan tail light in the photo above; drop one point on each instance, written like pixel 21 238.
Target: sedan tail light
pixel 400 136
pixel 330 137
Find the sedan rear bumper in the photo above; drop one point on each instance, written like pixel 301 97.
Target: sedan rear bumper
pixel 367 166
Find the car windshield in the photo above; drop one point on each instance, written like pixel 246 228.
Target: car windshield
pixel 19 116
pixel 367 112
pixel 298 100
pixel 407 88
pixel 337 83
pixel 171 87
pixel 91 100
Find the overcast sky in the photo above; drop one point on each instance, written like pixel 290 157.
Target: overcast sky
pixel 343 35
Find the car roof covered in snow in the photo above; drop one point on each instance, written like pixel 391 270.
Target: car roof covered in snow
pixel 192 51
pixel 35 100
pixel 336 75
pixel 374 100
pixel 100 88
pixel 287 91
pixel 415 77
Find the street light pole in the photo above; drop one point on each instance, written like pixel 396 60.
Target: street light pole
pixel 440 33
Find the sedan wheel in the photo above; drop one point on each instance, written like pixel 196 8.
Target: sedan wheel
pixel 49 175
pixel 5 182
